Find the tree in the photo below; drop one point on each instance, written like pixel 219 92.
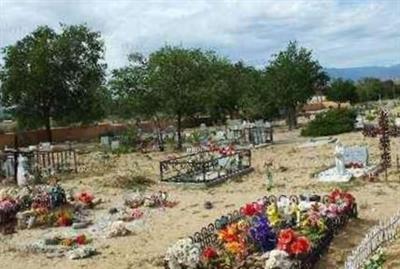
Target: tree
pixel 179 77
pixel 55 76
pixel 342 91
pixel 293 76
pixel 132 97
pixel 258 101
pixel 369 89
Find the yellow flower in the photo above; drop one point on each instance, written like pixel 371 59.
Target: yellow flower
pixel 273 215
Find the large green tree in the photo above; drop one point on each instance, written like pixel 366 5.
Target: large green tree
pixel 131 94
pixel 342 91
pixel 293 76
pixel 55 76
pixel 179 78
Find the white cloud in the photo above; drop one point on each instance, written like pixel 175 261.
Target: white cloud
pixel 341 33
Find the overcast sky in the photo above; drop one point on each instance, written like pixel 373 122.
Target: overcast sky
pixel 344 33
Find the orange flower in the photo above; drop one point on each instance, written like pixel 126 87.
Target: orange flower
pixel 286 236
pixel 228 234
pixel 235 247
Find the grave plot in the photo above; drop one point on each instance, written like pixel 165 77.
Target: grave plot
pixel 43 206
pixel 206 167
pixel 21 163
pixel 350 162
pixel 286 233
pixel 259 133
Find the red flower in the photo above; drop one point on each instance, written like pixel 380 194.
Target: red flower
pixel 251 209
pixel 85 197
pixel 300 245
pixel 209 253
pixel 335 195
pixel 286 236
pixel 81 239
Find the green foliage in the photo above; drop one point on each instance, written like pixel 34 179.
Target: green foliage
pixel 334 121
pixel 342 91
pixel 369 89
pixel 48 75
pixel 293 76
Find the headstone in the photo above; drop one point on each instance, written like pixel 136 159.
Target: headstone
pixel 359 124
pixel 357 154
pixel 105 141
pixel 45 146
pixel 203 132
pixel 259 123
pixel 22 171
pixel 114 144
pixel 232 123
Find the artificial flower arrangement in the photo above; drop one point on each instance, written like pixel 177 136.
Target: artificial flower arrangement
pixel 354 165
pixel 8 209
pixel 85 197
pixel 282 233
pixel 70 241
pixel 155 200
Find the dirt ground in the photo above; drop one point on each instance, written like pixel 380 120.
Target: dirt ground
pixel 292 174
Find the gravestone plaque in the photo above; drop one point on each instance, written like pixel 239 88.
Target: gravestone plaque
pixel 356 154
pixel 114 144
pixel 105 141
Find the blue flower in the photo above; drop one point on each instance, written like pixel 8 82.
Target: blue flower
pixel 262 234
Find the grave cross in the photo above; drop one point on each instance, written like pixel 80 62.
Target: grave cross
pixel 384 140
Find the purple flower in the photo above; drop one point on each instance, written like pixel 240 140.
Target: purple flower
pixel 262 234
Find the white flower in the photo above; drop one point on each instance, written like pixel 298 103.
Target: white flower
pixel 183 252
pixel 278 259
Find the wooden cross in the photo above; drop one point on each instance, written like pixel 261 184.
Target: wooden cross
pixel 384 133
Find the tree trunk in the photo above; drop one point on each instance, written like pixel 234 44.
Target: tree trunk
pixel 339 105
pixel 179 128
pixel 48 130
pixel 291 118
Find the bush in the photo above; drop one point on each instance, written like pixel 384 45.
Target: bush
pixel 335 121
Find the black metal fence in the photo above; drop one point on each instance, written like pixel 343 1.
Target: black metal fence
pixel 38 161
pixel 205 167
pixel 253 135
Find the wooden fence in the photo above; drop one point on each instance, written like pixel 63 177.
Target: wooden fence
pixel 376 237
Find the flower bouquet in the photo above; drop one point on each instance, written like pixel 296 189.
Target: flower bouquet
pixel 283 233
pixel 8 210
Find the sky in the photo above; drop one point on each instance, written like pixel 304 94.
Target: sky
pixel 341 33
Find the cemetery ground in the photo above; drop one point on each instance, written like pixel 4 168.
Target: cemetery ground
pixel 293 170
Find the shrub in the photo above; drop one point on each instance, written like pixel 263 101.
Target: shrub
pixel 334 121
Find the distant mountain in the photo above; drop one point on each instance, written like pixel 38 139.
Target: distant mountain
pixel 356 73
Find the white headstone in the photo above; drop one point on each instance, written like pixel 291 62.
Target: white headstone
pixel 45 146
pixel 356 154
pixel 114 144
pixel 22 171
pixel 105 141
